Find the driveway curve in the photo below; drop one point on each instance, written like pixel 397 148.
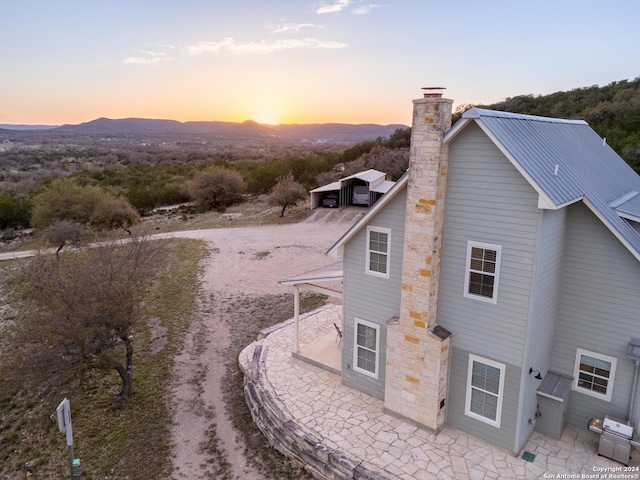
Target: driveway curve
pixel 243 261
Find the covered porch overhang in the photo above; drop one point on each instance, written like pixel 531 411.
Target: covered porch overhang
pixel 315 281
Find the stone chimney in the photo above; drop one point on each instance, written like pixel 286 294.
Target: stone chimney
pixel 417 348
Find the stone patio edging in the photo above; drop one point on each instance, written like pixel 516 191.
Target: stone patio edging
pixel 289 437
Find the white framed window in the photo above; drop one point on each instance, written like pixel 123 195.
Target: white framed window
pixel 485 386
pixel 593 374
pixel 378 251
pixel 366 347
pixel 482 271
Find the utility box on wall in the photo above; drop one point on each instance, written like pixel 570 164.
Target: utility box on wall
pixel 553 402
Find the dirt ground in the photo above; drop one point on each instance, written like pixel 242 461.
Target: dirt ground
pixel 245 261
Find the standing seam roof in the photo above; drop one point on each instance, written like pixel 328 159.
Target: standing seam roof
pixel 587 168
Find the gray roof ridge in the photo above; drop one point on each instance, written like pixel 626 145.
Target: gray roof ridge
pixel 483 112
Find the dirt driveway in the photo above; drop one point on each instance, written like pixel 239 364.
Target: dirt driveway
pixel 243 261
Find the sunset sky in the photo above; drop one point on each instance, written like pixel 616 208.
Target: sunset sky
pixel 299 61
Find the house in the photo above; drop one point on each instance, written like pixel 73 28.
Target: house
pixel 371 182
pixel 495 286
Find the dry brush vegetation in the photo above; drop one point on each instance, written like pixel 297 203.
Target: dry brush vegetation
pixel 130 442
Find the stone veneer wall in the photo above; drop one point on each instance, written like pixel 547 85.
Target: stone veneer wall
pixel 417 349
pixel 290 438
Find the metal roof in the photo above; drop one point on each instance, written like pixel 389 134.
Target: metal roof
pixel 382 187
pixel 565 161
pixel 556 386
pixel 375 178
pixel 630 207
pixel 327 188
pixel 327 273
pixel 369 176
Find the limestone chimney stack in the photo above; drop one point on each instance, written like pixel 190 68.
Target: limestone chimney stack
pixel 417 348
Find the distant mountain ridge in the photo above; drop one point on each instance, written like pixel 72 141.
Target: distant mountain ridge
pixel 11 126
pixel 160 130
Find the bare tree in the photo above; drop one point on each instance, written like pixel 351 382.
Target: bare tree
pixel 84 306
pixel 65 232
pixel 287 192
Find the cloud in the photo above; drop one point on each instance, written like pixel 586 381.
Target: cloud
pixel 290 27
pixel 208 47
pixel 365 9
pixel 336 7
pixel 148 58
pixel 341 5
pixel 261 48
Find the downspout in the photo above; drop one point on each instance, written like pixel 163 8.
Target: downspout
pixel 296 314
pixel 634 354
pixel 632 401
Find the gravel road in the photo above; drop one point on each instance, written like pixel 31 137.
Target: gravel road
pixel 243 261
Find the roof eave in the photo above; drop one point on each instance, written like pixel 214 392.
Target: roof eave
pixel 628 216
pixel 457 128
pixel 301 281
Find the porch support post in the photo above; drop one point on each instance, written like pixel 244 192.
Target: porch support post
pixel 296 314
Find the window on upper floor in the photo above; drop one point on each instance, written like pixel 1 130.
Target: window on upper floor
pixel 485 385
pixel 366 348
pixel 378 250
pixel 482 271
pixel 593 374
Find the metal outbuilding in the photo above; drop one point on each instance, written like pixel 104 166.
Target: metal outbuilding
pixel 343 188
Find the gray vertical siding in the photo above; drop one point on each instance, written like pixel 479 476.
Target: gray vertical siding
pixel 372 298
pixel 547 278
pixel 487 201
pixel 599 310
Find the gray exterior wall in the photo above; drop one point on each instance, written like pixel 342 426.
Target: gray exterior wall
pixel 599 310
pixel 565 283
pixel 502 436
pixel 372 298
pixel 547 277
pixel 487 201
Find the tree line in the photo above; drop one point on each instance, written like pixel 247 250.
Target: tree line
pixel 127 187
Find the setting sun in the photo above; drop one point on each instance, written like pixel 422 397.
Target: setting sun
pixel 266 117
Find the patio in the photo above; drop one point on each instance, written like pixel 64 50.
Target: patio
pixel 348 429
pixel 324 352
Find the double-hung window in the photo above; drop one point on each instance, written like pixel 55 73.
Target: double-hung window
pixel 485 385
pixel 482 271
pixel 366 348
pixel 378 250
pixel 593 374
